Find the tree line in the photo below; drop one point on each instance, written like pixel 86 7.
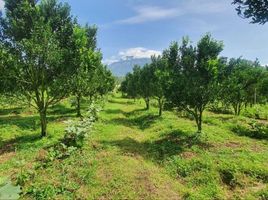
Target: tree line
pixel 46 56
pixel 190 78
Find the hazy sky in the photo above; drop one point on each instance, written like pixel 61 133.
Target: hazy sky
pixel 141 28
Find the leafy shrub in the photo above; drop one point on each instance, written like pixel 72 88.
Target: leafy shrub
pixel 24 176
pixel 60 151
pixel 256 112
pixel 259 130
pixel 253 129
pixel 51 191
pixel 47 192
pixel 77 131
pixel 228 177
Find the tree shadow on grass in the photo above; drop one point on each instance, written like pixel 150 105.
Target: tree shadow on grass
pixel 114 111
pixel 11 145
pixel 29 123
pixel 172 144
pixel 136 118
pixel 8 111
pixel 136 112
pixel 60 109
pixel 121 102
pixel 260 133
pixel 31 140
pixel 142 122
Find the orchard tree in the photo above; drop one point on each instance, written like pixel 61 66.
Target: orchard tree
pixel 146 84
pixel 86 61
pixel 194 76
pixel 256 10
pixel 240 84
pixel 263 86
pixel 106 81
pixel 38 38
pixel 131 84
pixel 160 70
pixel 124 84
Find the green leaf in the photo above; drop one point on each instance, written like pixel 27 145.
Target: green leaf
pixel 9 191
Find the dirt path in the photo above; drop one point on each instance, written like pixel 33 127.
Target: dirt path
pixel 124 170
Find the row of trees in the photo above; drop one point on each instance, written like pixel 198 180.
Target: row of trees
pixel 46 56
pixel 189 78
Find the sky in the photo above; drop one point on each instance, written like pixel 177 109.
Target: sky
pixel 141 28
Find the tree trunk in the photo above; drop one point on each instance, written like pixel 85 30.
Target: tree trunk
pixel 78 105
pixel 160 104
pixel 237 108
pixel 199 124
pixel 198 119
pixel 255 96
pixel 43 120
pixel 147 101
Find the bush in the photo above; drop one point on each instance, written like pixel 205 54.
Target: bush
pixel 253 129
pixel 256 112
pixel 77 131
pixel 259 130
pixel 228 177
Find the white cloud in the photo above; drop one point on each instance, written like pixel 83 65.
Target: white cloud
pixel 2 4
pixel 111 60
pixel 137 52
pixel 150 13
pixel 184 7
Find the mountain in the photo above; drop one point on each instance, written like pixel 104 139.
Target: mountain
pixel 122 67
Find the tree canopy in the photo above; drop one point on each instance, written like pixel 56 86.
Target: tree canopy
pixel 256 10
pixel 47 55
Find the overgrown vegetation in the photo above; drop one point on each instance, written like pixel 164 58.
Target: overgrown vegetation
pixel 132 153
pixel 195 78
pixel 100 144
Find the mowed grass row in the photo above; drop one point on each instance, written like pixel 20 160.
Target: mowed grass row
pixel 134 154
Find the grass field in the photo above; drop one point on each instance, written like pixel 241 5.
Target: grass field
pixel 133 154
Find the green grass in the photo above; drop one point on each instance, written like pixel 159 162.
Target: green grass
pixel 133 154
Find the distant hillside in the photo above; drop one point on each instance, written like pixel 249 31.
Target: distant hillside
pixel 122 67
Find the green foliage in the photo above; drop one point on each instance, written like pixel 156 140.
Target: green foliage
pixel 77 131
pixel 37 44
pixel 194 75
pixel 91 78
pixel 131 84
pixel 262 195
pixel 184 168
pixel 228 176
pixel 135 153
pixel 258 111
pixel 24 175
pixel 253 129
pixel 9 191
pixel 240 84
pixel 46 56
pixel 256 10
